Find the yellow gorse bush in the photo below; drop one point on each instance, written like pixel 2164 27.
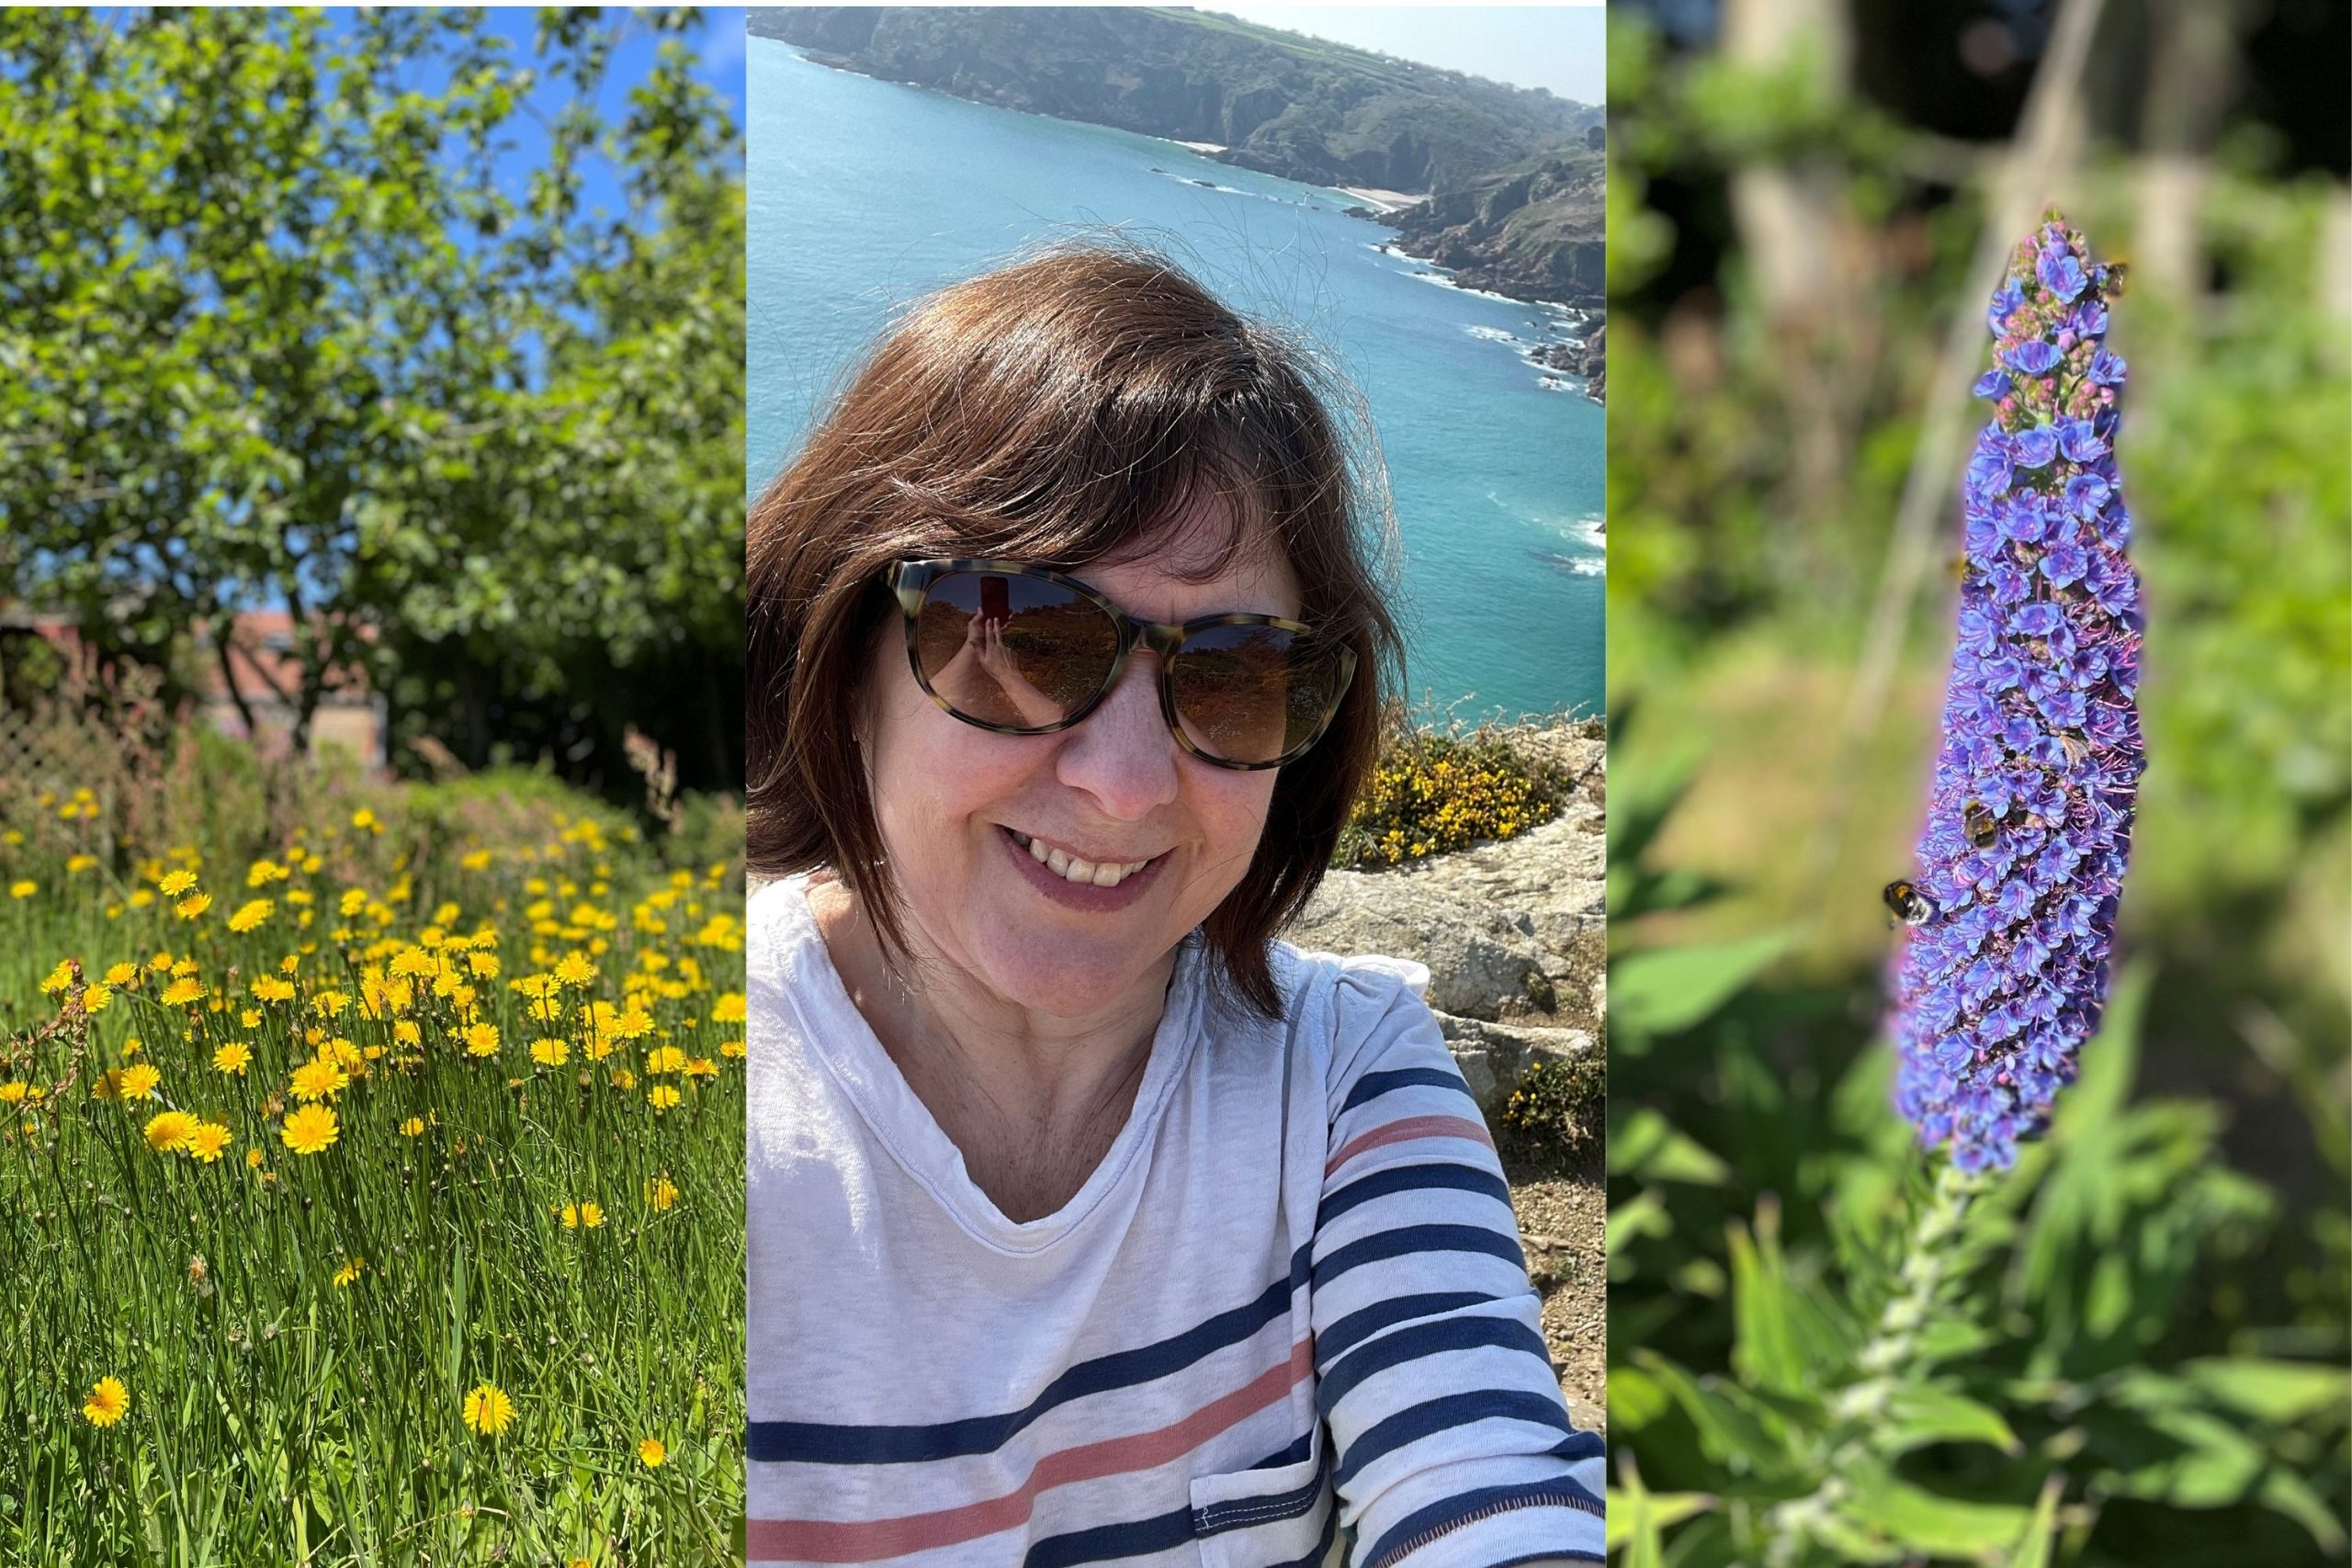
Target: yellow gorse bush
pixel 1434 790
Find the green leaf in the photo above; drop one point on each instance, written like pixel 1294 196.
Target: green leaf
pixel 1764 1347
pixel 1648 1149
pixel 1733 1433
pixel 1930 1522
pixel 2041 1531
pixel 1668 989
pixel 1917 1416
pixel 2276 1392
pixel 1638 1518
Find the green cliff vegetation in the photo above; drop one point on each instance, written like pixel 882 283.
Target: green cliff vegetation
pixel 1513 175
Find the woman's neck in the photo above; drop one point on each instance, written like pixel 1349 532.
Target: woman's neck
pixel 1033 1100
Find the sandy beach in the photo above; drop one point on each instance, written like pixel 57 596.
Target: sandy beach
pixel 1387 200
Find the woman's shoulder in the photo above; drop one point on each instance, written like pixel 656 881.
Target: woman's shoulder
pixel 1357 1013
pixel 780 933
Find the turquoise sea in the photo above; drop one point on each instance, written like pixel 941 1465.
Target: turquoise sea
pixel 866 194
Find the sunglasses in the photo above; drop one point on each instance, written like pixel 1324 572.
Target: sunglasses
pixel 1021 650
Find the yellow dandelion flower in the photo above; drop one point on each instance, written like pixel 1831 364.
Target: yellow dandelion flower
pixel 661 1192
pixel 579 1216
pixel 365 820
pixel 183 991
pixel 728 1009
pixel 24 889
pixel 574 969
pixel 249 1017
pixel 177 882
pixel 253 1158
pixel 349 1271
pixel 488 1410
pixel 194 904
pixel 270 989
pixel 167 1131
pixel 481 1039
pixel 665 1059
pixel 406 1033
pixel 206 1141
pixel 662 1097
pixel 550 1053
pixel 624 1078
pixel 108 1402
pixel 483 964
pixel 413 1127
pixel 701 1067
pixel 731 1047
pixel 122 974
pixel 309 1130
pixel 137 1081
pixel 651 1454
pixel 95 998
pixel 233 1057
pixel 14 1093
pixel 250 915
pixel 76 865
pixel 59 977
pixel 321 1079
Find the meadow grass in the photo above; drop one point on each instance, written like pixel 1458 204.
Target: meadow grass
pixel 499 1317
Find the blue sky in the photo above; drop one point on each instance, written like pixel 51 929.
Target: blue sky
pixel 1560 47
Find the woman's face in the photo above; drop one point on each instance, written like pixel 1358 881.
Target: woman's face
pixel 964 812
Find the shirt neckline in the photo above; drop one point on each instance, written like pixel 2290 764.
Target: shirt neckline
pixel 837 1033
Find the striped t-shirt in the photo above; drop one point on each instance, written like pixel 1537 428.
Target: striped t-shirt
pixel 1286 1320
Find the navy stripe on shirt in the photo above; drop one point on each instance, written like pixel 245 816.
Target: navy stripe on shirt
pixel 1397 1178
pixel 822 1442
pixel 1416 1422
pixel 1425 1525
pixel 1406 1239
pixel 1434 1338
pixel 1372 1086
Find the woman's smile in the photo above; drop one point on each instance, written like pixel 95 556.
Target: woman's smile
pixel 1096 886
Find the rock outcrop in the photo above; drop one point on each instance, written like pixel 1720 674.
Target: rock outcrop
pixel 1514 932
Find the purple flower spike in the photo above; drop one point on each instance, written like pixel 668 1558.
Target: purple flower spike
pixel 2029 820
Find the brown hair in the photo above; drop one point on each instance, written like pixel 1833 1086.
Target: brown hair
pixel 1060 411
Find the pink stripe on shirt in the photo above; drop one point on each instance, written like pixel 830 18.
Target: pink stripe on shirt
pixel 1406 1130
pixel 865 1540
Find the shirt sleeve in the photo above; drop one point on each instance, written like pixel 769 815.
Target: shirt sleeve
pixel 1451 1446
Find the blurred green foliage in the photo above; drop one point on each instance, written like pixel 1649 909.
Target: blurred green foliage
pixel 1818 1357
pixel 2133 1348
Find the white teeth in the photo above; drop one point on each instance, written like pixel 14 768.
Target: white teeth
pixel 1062 864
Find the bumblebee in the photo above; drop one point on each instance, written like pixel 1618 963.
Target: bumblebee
pixel 1980 826
pixel 1910 905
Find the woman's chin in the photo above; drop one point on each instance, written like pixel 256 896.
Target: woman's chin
pixel 1063 979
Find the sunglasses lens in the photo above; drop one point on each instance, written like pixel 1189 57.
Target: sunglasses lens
pixel 1013 652
pixel 1250 693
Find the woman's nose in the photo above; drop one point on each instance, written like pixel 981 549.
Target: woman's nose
pixel 1123 754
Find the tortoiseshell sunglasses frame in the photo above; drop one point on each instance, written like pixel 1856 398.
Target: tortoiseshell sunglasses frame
pixel 910 582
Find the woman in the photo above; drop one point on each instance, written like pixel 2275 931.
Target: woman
pixel 1088 1223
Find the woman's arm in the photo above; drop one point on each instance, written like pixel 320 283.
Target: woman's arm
pixel 1452 1440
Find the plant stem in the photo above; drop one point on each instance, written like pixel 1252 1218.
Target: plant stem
pixel 1884 1358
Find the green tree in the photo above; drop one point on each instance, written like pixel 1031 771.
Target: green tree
pixel 312 311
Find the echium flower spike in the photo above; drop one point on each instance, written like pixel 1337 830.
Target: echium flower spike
pixel 2021 861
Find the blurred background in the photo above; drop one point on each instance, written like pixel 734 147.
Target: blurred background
pixel 1809 202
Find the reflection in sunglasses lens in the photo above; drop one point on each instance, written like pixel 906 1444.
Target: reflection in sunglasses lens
pixel 1249 693
pixel 1013 651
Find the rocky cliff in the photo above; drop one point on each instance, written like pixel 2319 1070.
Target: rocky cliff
pixel 1532 229
pixel 1514 932
pixel 1281 103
